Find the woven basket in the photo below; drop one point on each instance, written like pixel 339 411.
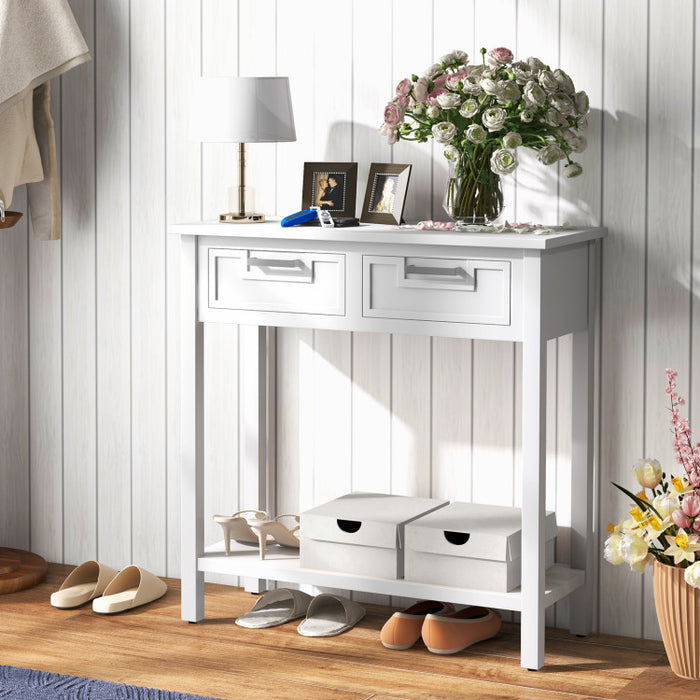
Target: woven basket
pixel 678 610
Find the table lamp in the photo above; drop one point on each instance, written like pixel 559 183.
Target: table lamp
pixel 242 110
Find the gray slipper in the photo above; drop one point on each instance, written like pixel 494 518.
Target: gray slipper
pixel 275 608
pixel 329 615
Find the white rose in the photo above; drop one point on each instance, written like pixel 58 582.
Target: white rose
pixel 470 87
pixel 494 118
pixel 692 575
pixel 535 64
pixel 648 472
pixel 581 102
pixel 469 108
pixel 475 133
pixel 548 81
pixel 550 154
pixel 562 102
pixel 490 86
pixel 534 94
pixel 503 161
pixel 420 89
pixel 522 72
pixel 553 117
pixel 527 115
pixel 432 71
pixel 634 550
pixel 580 144
pixel 448 100
pixel 390 133
pixel 612 549
pixel 665 504
pixel 461 57
pixel 447 58
pixel 509 90
pixel 565 83
pixel 444 132
pixel 512 140
pixel 572 170
pixel 451 153
pixel 433 111
pixel 418 109
pixel 582 123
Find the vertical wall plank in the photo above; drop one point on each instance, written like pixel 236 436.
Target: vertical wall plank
pixel 453 28
pixel 113 289
pixel 537 185
pixel 46 384
pixel 183 197
pixel 78 307
pixel 257 52
pixel 219 164
pixel 410 418
pixel 581 35
pixel 14 380
pixel 413 57
pixel 372 88
pixel 668 230
pixel 622 370
pixel 371 412
pixel 452 419
pixel 147 38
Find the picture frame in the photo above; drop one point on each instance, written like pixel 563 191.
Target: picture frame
pixel 324 182
pixel 385 195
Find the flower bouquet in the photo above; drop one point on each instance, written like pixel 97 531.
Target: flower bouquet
pixel 480 114
pixel 664 529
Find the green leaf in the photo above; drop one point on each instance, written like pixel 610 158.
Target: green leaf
pixel 642 504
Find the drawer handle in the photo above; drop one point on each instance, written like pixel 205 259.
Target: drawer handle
pixel 456 537
pixel 270 262
pixel 437 271
pixel 349 525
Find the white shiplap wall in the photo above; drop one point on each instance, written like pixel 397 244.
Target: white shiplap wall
pixel 88 354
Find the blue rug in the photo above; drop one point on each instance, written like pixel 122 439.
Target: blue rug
pixel 24 684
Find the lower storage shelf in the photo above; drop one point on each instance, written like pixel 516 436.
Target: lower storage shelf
pixel 282 564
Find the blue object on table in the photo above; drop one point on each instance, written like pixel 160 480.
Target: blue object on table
pixel 299 218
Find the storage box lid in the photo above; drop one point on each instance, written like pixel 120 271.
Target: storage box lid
pixel 369 519
pixel 472 530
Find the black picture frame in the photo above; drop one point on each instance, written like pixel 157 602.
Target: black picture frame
pixel 345 177
pixel 385 206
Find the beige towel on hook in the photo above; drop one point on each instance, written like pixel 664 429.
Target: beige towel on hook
pixel 39 40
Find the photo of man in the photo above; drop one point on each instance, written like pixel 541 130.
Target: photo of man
pixel 334 197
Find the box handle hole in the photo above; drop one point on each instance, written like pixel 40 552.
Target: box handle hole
pixel 456 537
pixel 349 525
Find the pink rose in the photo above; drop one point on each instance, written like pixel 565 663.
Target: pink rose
pixel 681 519
pixel 691 504
pixel 421 89
pixel 401 100
pixel 389 132
pixel 404 87
pixel 500 56
pixel 393 114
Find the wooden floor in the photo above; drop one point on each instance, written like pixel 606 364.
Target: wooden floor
pixel 152 647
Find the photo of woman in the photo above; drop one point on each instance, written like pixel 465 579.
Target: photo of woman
pixel 387 183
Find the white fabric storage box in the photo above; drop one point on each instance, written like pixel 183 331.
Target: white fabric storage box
pixel 471 546
pixel 360 533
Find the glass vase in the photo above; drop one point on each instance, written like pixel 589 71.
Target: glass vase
pixel 473 194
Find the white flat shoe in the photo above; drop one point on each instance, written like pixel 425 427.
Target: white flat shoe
pixel 130 588
pixel 84 583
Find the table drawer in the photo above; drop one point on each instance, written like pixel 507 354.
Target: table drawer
pixel 276 281
pixel 459 290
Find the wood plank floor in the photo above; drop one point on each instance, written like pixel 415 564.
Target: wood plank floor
pixel 151 646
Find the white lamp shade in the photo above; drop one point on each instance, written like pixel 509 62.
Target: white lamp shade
pixel 242 110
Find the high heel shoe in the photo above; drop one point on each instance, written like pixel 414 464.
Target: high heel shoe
pixel 238 528
pixel 272 530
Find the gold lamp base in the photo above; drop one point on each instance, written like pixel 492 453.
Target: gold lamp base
pixel 238 218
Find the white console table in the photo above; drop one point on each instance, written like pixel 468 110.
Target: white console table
pixel 510 287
